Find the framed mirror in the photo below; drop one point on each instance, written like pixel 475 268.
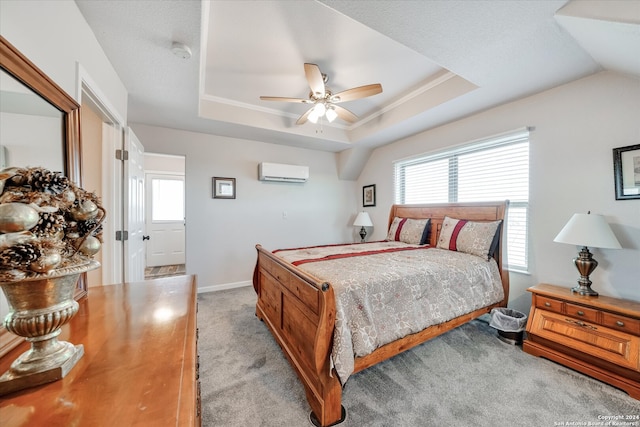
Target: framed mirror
pixel 32 95
pixel 20 68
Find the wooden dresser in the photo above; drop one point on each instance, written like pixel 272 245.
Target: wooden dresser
pixel 598 336
pixel 140 363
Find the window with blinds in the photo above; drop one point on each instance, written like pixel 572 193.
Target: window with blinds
pixel 487 170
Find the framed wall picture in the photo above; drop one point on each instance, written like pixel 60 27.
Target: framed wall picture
pixel 626 172
pixel 369 195
pixel 224 188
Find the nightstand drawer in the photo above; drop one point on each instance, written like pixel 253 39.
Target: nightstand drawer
pixel 581 312
pixel 604 343
pixel 631 326
pixel 549 303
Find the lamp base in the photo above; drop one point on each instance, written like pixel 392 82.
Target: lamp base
pixel 363 234
pixel 584 290
pixel 585 265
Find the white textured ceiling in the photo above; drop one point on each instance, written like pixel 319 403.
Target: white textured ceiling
pixel 437 61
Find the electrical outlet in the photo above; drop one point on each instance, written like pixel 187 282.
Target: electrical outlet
pixel 284 214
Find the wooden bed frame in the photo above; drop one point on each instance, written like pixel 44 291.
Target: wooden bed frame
pixel 300 310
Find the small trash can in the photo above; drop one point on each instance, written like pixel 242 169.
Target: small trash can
pixel 509 323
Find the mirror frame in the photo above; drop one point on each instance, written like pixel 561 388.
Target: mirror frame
pixel 16 64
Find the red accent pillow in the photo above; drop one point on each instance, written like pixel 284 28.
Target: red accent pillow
pixel 471 237
pixel 408 230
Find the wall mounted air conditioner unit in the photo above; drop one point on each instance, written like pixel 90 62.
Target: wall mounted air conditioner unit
pixel 283 173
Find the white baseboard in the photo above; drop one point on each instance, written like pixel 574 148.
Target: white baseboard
pixel 224 286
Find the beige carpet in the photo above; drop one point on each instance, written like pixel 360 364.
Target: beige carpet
pixel 164 271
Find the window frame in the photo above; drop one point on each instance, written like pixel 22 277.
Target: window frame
pixel 453 154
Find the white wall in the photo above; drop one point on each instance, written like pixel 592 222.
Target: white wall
pixel 222 233
pixel 163 163
pixel 576 127
pixel 56 38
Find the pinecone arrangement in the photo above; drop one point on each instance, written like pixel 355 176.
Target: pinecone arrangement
pixel 46 223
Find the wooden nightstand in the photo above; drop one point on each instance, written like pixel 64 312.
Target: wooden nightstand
pixel 598 336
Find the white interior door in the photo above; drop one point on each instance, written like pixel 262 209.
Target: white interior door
pixel 165 219
pixel 134 257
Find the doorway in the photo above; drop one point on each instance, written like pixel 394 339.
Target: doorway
pixel 164 215
pixel 101 134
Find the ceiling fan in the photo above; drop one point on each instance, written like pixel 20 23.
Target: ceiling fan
pixel 323 101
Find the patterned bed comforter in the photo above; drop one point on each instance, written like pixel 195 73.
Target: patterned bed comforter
pixel 387 290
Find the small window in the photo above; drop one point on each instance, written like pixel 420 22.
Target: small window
pixel 164 196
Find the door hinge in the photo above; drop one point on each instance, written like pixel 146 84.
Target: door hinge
pixel 122 235
pixel 122 154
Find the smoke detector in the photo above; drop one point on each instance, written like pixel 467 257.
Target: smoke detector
pixel 181 50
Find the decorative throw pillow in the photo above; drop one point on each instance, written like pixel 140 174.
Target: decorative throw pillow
pixel 476 238
pixel 407 230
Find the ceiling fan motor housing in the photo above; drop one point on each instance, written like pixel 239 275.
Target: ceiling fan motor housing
pixel 324 100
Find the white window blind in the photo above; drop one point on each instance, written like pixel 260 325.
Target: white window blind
pixel 492 169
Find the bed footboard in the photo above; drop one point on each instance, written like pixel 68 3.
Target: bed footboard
pixel 300 312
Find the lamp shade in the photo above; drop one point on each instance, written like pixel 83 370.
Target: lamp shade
pixel 588 230
pixel 363 220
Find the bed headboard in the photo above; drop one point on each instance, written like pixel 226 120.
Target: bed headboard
pixel 476 211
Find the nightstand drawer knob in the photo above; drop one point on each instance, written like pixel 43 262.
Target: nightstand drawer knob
pixel 619 323
pixel 547 304
pixel 580 313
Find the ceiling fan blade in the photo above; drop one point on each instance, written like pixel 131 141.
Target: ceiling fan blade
pixel 357 93
pixel 314 77
pixel 345 114
pixel 303 118
pixel 283 99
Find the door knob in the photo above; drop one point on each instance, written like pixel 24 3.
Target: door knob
pixel 145 238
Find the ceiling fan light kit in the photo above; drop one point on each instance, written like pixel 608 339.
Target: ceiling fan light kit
pixel 324 102
pixel 331 114
pixel 319 110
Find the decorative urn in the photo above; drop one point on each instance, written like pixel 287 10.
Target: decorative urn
pixel 49 231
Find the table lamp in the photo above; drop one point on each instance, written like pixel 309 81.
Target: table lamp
pixel 587 230
pixel 363 220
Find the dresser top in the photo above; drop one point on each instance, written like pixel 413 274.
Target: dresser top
pixel 617 305
pixel 139 345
